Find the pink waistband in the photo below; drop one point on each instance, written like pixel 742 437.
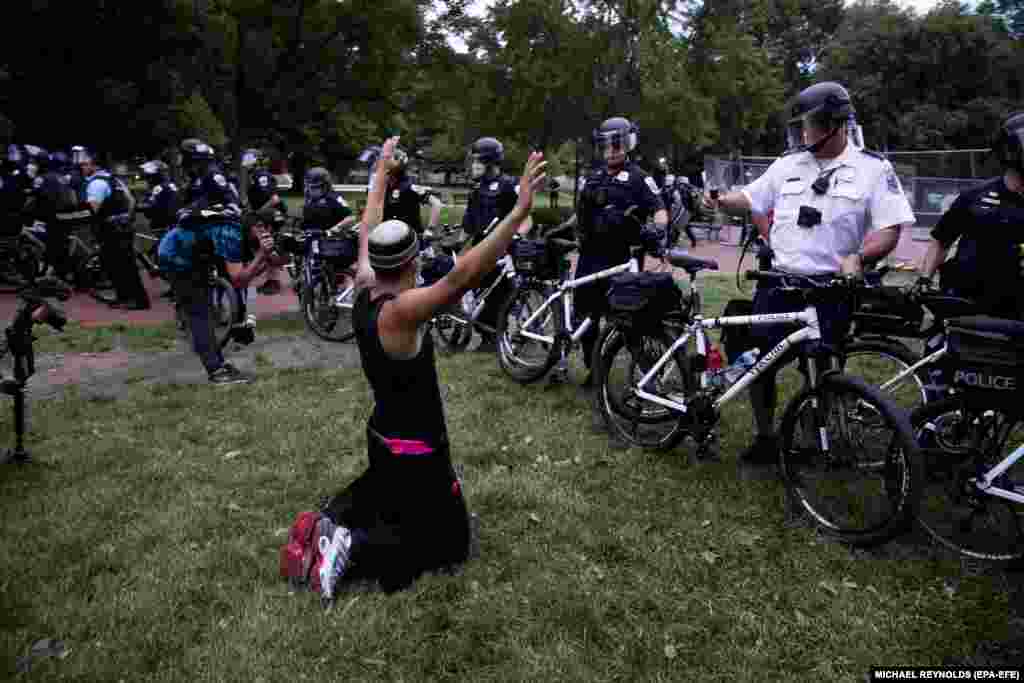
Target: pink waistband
pixel 408 447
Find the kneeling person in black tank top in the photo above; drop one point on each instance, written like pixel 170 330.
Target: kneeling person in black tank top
pixel 406 515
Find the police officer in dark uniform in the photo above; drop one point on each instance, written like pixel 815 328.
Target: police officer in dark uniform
pixel 607 225
pixel 14 184
pixel 160 205
pixel 324 208
pixel 988 219
pixel 493 196
pixel 203 171
pixel 113 210
pixel 56 203
pixel 404 198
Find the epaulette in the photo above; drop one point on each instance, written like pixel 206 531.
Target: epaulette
pixel 871 153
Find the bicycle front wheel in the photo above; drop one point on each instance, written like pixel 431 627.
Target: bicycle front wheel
pixel 959 442
pixel 622 357
pixel 225 309
pixel 879 362
pixel 524 359
pixel 327 304
pixel 849 459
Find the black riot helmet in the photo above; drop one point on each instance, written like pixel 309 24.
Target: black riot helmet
pixel 1009 143
pixel 196 155
pixel 826 106
pixel 485 152
pixel 617 134
pixel 317 183
pixel 155 172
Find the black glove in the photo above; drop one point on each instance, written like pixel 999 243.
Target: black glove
pixel 922 285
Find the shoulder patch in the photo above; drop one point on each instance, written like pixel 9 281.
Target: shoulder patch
pixel 892 182
pixel 38 182
pixel 651 185
pixel 873 154
pixel 220 179
pixel 157 190
pixel 174 188
pixel 583 183
pixel 264 181
pixel 341 200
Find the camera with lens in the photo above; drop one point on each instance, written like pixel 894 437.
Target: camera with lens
pixel 808 217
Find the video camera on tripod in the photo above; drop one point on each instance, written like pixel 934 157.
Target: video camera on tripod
pixel 34 307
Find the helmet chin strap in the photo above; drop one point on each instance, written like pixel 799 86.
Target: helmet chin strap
pixel 813 149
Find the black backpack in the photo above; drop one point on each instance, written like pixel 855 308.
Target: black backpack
pixel 644 298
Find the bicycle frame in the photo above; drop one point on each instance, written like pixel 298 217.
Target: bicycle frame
pixel 631 266
pixel 985 481
pixel 809 332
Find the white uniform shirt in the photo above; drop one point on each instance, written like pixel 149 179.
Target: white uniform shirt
pixel 863 195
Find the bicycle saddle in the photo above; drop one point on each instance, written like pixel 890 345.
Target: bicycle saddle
pixel 691 264
pixel 562 247
pixel 944 307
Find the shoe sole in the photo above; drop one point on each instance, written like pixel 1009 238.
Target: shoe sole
pixel 225 383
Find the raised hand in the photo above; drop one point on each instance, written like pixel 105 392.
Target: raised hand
pixel 532 179
pixel 387 155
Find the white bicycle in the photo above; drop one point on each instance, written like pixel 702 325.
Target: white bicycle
pixel 847 453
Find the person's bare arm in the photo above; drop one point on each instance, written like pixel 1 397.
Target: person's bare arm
pixel 415 306
pixel 934 257
pixel 373 214
pixel 877 245
pixel 435 212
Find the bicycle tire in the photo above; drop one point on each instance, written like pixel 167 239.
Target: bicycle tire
pixel 953 512
pixel 326 317
pixel 225 309
pixel 876 361
pixel 452 329
pixel 511 348
pixel 640 422
pixel 803 465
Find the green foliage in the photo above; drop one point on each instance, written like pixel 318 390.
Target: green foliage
pixel 196 119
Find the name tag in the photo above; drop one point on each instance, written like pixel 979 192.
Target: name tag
pixel 623 176
pixel 494 187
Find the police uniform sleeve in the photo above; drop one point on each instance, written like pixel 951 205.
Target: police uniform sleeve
pixel 764 191
pixel 509 196
pixel 952 223
pixel 887 205
pixel 421 193
pixel 648 195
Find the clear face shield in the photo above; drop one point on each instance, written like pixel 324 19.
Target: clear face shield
pixel 811 131
pixel 475 167
pixel 611 147
pixel 81 157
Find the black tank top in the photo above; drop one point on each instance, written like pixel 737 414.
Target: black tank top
pixel 406 392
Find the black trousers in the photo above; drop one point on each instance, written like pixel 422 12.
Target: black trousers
pixel 192 294
pixel 58 234
pixel 406 513
pixel 117 252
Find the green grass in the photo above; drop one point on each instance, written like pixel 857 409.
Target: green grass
pixel 146 537
pixel 122 337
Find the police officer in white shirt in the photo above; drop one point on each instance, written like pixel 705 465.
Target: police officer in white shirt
pixel 836 208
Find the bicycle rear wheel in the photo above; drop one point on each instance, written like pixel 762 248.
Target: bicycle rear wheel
pixel 879 361
pixel 622 357
pixel 849 459
pixel 960 441
pixel 327 304
pixel 527 360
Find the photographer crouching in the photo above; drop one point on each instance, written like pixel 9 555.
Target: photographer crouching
pixel 210 233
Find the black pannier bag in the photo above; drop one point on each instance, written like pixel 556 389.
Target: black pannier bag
pixel 887 311
pixel 535 258
pixel 737 338
pixel 644 298
pixel 340 253
pixel 986 353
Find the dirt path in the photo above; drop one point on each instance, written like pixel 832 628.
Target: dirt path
pixel 112 374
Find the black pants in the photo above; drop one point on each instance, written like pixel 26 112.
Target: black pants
pixel 58 234
pixel 406 513
pixel 192 295
pixel 117 252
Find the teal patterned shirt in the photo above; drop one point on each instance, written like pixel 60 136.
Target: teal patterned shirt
pixel 175 248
